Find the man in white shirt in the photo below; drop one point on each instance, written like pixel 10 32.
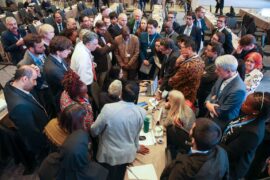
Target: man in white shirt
pixel 82 59
pixel 228 93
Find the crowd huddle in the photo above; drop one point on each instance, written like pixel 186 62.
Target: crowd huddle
pixel 74 93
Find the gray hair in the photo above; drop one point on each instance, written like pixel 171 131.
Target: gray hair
pixel 8 19
pixel 115 88
pixel 227 62
pixel 88 37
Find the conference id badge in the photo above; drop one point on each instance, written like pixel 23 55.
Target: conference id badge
pixel 148 50
pixel 128 55
pixel 24 47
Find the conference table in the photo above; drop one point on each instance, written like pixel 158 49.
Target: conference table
pixel 157 155
pixel 211 21
pixel 260 21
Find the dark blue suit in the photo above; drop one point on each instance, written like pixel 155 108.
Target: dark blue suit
pixel 195 34
pixel 203 26
pixel 9 40
pixel 229 100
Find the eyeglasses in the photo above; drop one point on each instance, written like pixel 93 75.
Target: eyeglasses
pixel 170 17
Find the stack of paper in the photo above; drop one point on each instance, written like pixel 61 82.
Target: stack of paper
pixel 145 172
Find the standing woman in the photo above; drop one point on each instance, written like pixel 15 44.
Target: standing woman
pixel 142 27
pixel 244 134
pixel 253 75
pixel 75 92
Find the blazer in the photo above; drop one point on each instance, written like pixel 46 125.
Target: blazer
pixel 227 46
pixel 9 40
pixel 195 34
pixel 56 31
pixel 54 74
pixel 168 69
pixel 133 49
pixel 100 54
pixel 28 115
pixel 203 26
pixel 176 27
pixel 172 36
pixel 229 100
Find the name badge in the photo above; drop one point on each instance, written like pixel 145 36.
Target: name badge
pixel 24 47
pixel 127 55
pixel 148 50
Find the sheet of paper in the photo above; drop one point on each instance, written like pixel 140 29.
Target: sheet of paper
pixel 150 138
pixel 145 172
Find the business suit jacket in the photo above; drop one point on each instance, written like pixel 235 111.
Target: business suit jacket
pixel 229 100
pixel 203 26
pixel 176 27
pixel 227 46
pixel 172 36
pixel 56 31
pixel 195 35
pixel 54 74
pixel 168 69
pixel 9 40
pixel 29 117
pixel 100 54
pixel 133 49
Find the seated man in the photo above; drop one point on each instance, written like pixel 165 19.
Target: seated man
pixel 228 93
pixel 206 160
pixel 119 134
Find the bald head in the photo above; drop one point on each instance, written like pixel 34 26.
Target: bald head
pixel 25 77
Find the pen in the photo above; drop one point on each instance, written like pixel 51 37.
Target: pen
pixel 132 172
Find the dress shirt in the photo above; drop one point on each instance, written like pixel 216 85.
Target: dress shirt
pixel 118 126
pixel 188 30
pixel 81 63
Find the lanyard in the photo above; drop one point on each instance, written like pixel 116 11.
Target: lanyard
pixel 149 44
pixel 237 123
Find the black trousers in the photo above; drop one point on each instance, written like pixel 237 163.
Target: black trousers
pixel 116 172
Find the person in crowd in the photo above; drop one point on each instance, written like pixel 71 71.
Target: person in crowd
pixel 119 135
pixel 228 93
pixel 135 21
pixel 71 24
pixel 199 21
pixel 35 55
pixel 169 32
pixel 218 37
pixel 209 77
pixel 206 159
pixel 248 25
pixel 75 92
pixel 243 135
pixel 86 22
pixel 28 115
pixel 107 21
pixel 82 60
pixel 46 31
pixel 127 53
pixel 113 95
pixel 172 18
pixel 189 70
pixel 104 12
pixel 55 66
pixel 253 76
pixel 102 54
pixel 147 45
pixel 158 56
pixel 58 23
pixel 247 44
pixel 179 120
pixel 72 35
pixel 72 160
pixel 114 18
pixel 70 119
pixel 122 21
pixel 220 6
pixel 192 30
pixel 142 27
pixel 221 27
pixel 171 53
pixel 12 40
pixel 115 73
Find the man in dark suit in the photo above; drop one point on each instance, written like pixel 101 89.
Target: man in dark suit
pixel 171 18
pixel 221 27
pixel 191 30
pixel 58 24
pixel 228 93
pixel 28 115
pixel 171 53
pixel 135 21
pixel 220 6
pixel 199 21
pixel 12 40
pixel 55 66
pixel 102 54
pixel 35 55
pixel 122 21
pixel 169 32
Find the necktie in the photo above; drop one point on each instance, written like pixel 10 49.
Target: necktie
pixel 136 25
